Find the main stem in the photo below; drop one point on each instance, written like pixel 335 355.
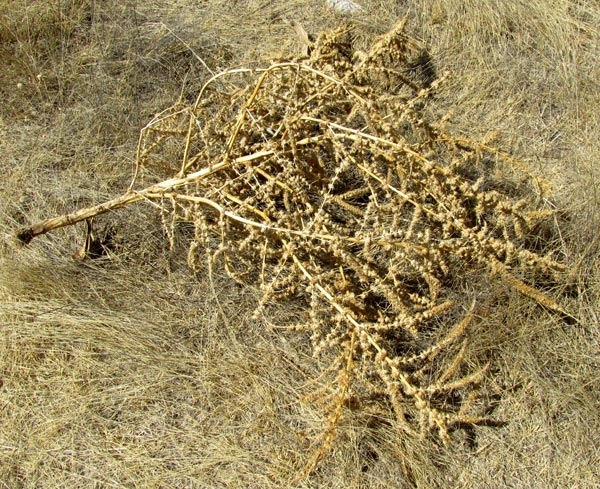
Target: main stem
pixel 26 234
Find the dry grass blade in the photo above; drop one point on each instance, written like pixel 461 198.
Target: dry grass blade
pixel 325 182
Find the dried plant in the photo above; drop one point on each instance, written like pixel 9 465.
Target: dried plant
pixel 324 181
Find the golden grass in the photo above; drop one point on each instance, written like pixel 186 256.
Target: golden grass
pixel 130 371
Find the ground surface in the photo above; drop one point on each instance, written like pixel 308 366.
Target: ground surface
pixel 130 371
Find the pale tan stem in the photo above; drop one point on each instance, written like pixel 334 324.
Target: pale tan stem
pixel 26 234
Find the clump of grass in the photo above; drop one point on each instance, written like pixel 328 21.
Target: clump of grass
pixel 325 182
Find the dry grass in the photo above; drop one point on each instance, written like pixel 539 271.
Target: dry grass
pixel 132 371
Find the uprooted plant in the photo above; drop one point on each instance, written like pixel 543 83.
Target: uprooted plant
pixel 323 181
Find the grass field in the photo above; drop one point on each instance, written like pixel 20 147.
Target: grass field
pixel 131 370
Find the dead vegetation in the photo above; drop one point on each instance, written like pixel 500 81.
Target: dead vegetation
pixel 405 256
